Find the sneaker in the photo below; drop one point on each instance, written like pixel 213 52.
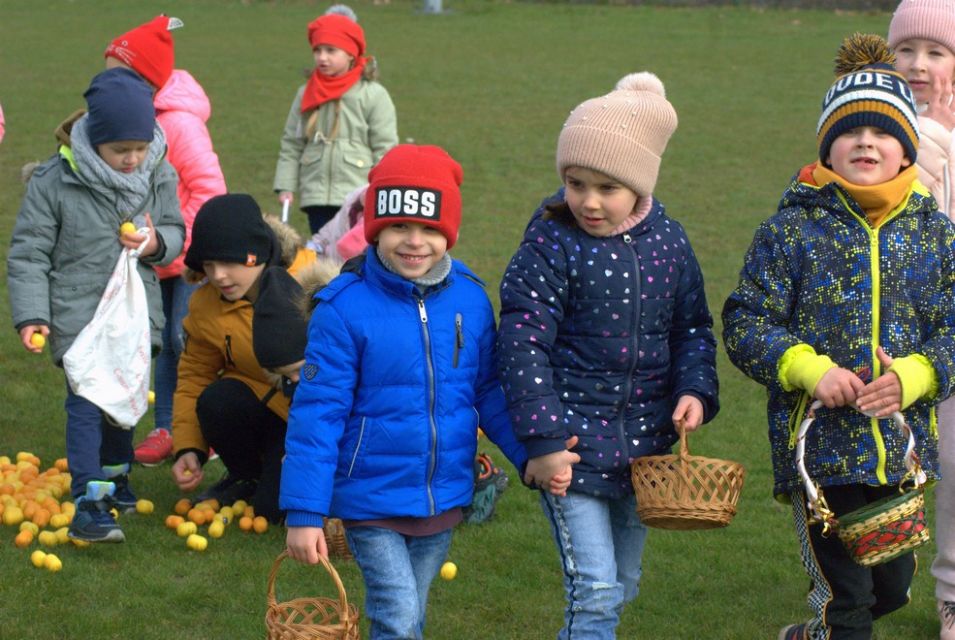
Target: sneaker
pixel 946 616
pixel 793 632
pixel 228 490
pixel 155 448
pixel 212 455
pixel 93 521
pixel 123 498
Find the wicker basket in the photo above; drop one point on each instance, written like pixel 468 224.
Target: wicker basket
pixel 884 529
pixel 310 618
pixel 335 539
pixel 686 492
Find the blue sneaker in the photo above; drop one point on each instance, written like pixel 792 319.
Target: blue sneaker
pixel 92 521
pixel 123 498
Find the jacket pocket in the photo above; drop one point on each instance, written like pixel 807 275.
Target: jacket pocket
pixel 354 465
pixel 313 153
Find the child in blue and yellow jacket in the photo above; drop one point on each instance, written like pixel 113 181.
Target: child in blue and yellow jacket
pixel 847 295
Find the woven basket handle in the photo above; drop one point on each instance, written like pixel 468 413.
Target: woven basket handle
pixel 817 504
pixel 342 597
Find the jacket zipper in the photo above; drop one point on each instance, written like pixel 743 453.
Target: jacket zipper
pixel 361 435
pixel 228 351
pixel 458 338
pixel 423 315
pixel 635 347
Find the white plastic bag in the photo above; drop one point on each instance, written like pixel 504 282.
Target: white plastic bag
pixel 108 363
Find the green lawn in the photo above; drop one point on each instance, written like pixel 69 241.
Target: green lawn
pixel 491 81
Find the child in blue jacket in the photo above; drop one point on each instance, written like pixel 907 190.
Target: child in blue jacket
pixel 605 336
pixel 399 371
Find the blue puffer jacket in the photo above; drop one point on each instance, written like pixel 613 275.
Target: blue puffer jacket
pixel 384 421
pixel 598 339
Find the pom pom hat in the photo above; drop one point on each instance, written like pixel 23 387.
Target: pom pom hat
pixel 413 183
pixel 926 20
pixel 622 134
pixel 148 49
pixel 119 107
pixel 870 92
pixel 230 228
pixel 337 31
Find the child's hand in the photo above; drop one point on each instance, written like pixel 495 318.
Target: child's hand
pixel 133 240
pixel 689 411
pixel 305 544
pixel 939 106
pixel 552 470
pixel 286 196
pixel 838 388
pixel 26 337
pixel 883 396
pixel 187 472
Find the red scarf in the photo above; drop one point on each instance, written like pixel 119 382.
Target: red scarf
pixel 321 88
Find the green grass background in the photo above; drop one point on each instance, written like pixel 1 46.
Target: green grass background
pixel 491 81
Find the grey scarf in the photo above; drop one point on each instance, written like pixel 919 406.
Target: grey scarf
pixel 435 275
pixel 126 190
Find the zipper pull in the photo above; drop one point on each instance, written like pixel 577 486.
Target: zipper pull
pixel 421 311
pixel 627 238
pixel 458 338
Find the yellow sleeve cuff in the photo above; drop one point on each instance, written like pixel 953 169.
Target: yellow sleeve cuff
pixel 917 376
pixel 802 368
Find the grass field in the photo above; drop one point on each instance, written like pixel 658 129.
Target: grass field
pixel 492 82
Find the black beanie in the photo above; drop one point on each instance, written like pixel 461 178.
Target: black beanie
pixel 279 327
pixel 230 228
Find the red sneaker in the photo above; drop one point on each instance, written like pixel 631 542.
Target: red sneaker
pixel 155 448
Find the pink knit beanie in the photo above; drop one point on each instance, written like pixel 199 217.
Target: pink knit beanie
pixel 924 19
pixel 622 134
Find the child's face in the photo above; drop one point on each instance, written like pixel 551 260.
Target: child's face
pixel 232 279
pixel 123 155
pixel 331 61
pixel 412 248
pixel 599 203
pixel 867 156
pixel 921 61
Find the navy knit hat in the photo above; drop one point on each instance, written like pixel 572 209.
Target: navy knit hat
pixel 119 104
pixel 230 228
pixel 868 92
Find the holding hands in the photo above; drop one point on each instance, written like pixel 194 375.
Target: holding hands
pixel 553 471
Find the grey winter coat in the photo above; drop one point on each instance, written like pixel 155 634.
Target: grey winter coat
pixel 65 245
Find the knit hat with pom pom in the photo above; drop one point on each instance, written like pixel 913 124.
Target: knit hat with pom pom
pixel 622 134
pixel 868 92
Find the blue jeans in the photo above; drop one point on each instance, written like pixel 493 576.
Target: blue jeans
pixel 600 543
pixel 92 442
pixel 397 570
pixel 175 305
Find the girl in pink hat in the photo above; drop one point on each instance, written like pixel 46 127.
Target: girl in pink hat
pixel 922 33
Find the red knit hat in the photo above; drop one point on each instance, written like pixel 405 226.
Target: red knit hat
pixel 337 31
pixel 148 49
pixel 414 183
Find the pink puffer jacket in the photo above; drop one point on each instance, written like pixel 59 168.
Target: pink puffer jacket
pixel 936 169
pixel 182 109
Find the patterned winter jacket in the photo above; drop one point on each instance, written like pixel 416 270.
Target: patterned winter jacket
pixel 385 417
pixel 817 273
pixel 599 337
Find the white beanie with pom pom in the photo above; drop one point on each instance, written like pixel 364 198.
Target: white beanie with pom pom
pixel 622 134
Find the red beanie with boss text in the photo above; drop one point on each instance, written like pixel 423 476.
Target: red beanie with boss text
pixel 148 49
pixel 414 183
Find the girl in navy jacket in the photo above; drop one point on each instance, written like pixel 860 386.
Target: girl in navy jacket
pixel 605 336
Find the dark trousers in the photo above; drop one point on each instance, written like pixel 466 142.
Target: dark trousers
pixel 92 442
pixel 248 436
pixel 319 215
pixel 846 597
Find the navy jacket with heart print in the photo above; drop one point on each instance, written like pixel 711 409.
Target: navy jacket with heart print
pixel 599 337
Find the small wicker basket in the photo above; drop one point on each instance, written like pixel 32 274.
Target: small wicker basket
pixel 335 539
pixel 310 618
pixel 884 529
pixel 686 492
